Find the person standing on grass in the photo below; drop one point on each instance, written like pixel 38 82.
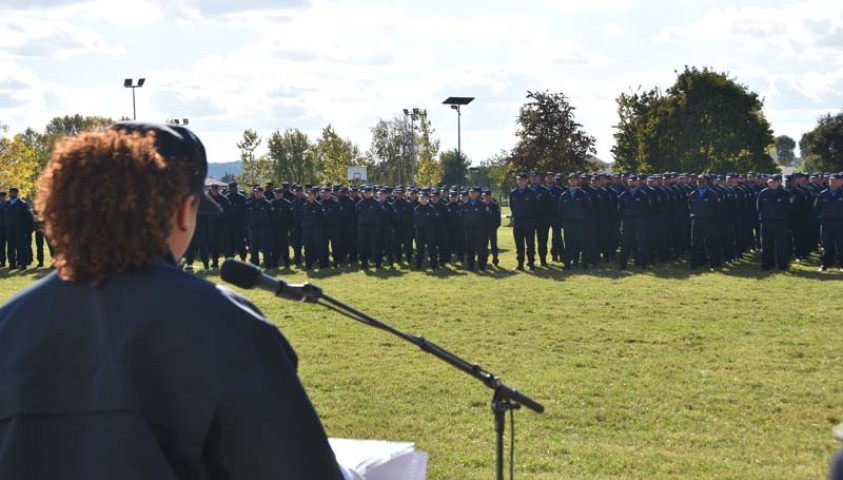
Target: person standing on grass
pixel 524 212
pixel 120 365
pixel 829 209
pixel 773 206
pixel 704 205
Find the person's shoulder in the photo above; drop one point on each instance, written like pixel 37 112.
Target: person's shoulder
pixel 35 293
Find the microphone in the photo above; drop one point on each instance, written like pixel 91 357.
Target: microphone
pixel 247 276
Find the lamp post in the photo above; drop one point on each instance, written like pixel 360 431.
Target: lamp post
pixel 412 114
pixel 129 83
pixel 184 121
pixel 456 103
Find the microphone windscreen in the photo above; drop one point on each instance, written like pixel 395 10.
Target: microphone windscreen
pixel 240 274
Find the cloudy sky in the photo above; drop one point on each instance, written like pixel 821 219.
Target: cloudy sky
pixel 274 64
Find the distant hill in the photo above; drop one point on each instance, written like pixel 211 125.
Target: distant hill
pixel 218 170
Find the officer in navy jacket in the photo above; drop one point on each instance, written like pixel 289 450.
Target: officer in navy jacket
pixel 128 367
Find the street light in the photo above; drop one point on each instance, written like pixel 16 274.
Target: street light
pixel 456 103
pixel 129 83
pixel 184 121
pixel 412 114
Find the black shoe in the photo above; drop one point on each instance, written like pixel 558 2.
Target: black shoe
pixel 822 268
pixel 544 263
pixel 40 265
pixel 495 261
pixel 623 266
pixel 215 265
pixel 532 268
pixel 520 268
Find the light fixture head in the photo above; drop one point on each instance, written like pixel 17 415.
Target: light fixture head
pixel 127 83
pixel 141 82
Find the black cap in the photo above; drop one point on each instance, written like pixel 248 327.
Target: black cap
pixel 175 142
pixel 475 189
pixel 14 189
pixel 838 176
pixel 775 178
pixel 278 190
pixel 521 175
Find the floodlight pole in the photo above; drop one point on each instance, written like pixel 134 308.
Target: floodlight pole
pixel 129 83
pixel 456 103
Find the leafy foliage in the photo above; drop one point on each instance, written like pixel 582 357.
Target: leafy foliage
pixel 292 157
pixel 705 122
pixel 336 155
pixel 822 147
pixel 429 169
pixel 454 170
pixel 783 148
pixel 549 138
pixel 17 163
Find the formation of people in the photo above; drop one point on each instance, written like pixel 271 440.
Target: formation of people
pixel 577 220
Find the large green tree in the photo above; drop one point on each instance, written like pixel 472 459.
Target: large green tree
pixel 822 147
pixel 294 158
pixel 388 160
pixel 706 121
pixel 549 137
pixel 784 147
pixel 454 170
pixel 336 155
pixel 428 170
pixel 255 167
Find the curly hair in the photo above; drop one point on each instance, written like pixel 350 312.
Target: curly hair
pixel 107 200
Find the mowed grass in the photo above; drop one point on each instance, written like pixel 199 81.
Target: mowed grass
pixel 664 374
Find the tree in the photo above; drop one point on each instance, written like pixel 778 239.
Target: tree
pixel 822 147
pixel 336 155
pixel 428 168
pixel 549 138
pixel 494 172
pixel 18 164
pixel 293 157
pixel 59 127
pixel 784 147
pixel 705 122
pixel 388 161
pixel 255 169
pixel 454 171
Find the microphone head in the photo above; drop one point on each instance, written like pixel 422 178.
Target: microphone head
pixel 240 274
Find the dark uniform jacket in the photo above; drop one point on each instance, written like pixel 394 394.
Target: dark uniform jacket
pixel 634 204
pixel 311 214
pixel 17 217
pixel 773 205
pixel 259 213
pixel 829 206
pixel 368 212
pixel 403 212
pixel 704 207
pixel 426 216
pixel 476 215
pixel 575 205
pixel 523 205
pixel 157 374
pixel 282 214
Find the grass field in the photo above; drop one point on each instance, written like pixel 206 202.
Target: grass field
pixel 665 374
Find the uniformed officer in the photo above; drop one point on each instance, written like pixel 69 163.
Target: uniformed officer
pixel 453 243
pixel 575 209
pixel 347 239
pixel 18 223
pixel 404 219
pixel 296 232
pixel 368 221
pixel 425 218
pixel 829 208
pixel 634 209
pixel 494 223
pixel 476 219
pixel 773 205
pixel 219 228
pixel 199 243
pixel 387 226
pixel 331 223
pixel 556 185
pixel 259 218
pixel 282 222
pixel 522 204
pixel 311 229
pixel 545 212
pixel 704 206
pixel 237 221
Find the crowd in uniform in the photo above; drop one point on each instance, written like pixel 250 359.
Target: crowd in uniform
pixel 17 229
pixel 577 220
pixel 340 226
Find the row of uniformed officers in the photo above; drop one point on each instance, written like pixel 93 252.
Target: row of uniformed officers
pixel 341 226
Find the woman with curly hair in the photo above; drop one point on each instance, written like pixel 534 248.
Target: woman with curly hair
pixel 120 365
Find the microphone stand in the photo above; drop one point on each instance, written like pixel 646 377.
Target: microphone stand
pixel 504 398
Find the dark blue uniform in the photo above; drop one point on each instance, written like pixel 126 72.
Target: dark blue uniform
pixel 347 241
pixel 634 209
pixel 259 214
pixel 331 223
pixel 368 222
pixel 282 222
pixel 219 231
pixel 18 222
pixel 545 213
pixel 704 205
pixel 773 207
pixel 2 232
pixel 426 220
pixel 296 231
pixel 404 218
pixel 156 374
pixel 476 217
pixel 575 210
pixel 311 232
pixel 524 210
pixel 237 223
pixel 829 209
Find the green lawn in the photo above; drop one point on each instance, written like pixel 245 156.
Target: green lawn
pixel 663 374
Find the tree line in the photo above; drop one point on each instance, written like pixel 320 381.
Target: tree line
pixel 705 122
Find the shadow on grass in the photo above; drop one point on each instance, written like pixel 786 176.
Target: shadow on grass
pixel 32 274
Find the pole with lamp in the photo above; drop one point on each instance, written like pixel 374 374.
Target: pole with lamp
pixel 130 83
pixel 456 103
pixel 412 114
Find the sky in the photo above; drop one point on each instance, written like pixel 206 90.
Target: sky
pixel 277 64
